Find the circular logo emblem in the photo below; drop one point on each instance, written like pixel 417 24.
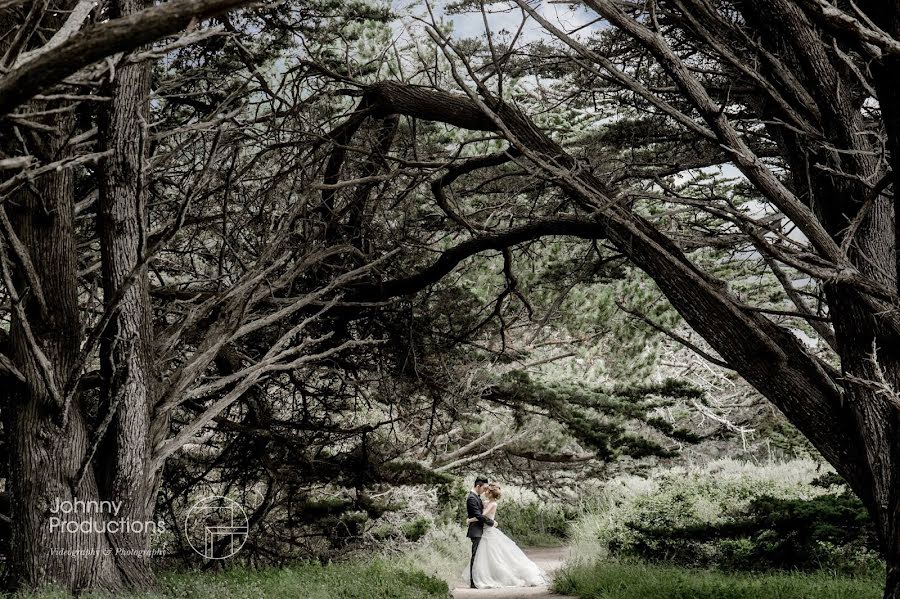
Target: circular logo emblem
pixel 216 527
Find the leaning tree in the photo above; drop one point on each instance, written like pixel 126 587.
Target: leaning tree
pixel 797 99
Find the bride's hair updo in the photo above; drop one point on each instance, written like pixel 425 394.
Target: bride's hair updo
pixel 493 492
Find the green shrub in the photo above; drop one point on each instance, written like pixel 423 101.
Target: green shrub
pixel 443 552
pixel 770 533
pixel 417 579
pixel 731 515
pixel 611 580
pixel 416 529
pixel 535 523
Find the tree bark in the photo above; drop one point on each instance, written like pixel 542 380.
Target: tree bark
pixel 52 445
pixel 866 346
pixel 128 377
pixel 45 454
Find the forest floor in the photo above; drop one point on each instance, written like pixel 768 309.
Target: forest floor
pixel 548 559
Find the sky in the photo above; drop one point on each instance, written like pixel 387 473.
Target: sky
pixel 501 16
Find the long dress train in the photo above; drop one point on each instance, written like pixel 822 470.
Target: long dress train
pixel 500 563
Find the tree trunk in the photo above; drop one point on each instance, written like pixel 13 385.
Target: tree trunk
pixel 877 420
pixel 892 583
pixel 51 443
pixel 128 378
pixel 45 455
pixel 44 461
pixel 45 450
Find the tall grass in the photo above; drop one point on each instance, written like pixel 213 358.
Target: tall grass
pixel 348 580
pixel 443 552
pixel 612 580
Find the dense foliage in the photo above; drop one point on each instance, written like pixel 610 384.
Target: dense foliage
pixel 324 257
pixel 732 517
pixel 829 532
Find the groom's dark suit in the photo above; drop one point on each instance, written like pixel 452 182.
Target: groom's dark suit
pixel 474 509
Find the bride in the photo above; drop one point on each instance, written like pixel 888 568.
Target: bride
pixel 498 560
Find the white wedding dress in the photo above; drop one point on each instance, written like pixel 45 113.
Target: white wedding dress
pixel 500 563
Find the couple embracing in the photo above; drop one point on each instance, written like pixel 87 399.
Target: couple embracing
pixel 496 560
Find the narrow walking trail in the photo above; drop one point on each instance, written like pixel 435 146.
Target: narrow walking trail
pixel 548 558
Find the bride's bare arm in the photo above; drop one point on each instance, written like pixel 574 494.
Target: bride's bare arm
pixel 490 511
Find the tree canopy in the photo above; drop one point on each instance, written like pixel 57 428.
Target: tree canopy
pixel 307 244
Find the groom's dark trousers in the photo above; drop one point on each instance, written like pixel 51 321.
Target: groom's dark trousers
pixel 475 541
pixel 474 509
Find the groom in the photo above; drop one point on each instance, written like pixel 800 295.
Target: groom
pixel 474 507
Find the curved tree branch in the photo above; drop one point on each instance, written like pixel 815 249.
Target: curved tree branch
pixel 451 258
pixel 96 43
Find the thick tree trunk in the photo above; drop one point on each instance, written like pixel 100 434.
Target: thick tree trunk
pixel 45 456
pixel 45 334
pixel 50 446
pixel 128 377
pixel 887 16
pixel 870 360
pixel 876 419
pixel 45 460
pixel 892 583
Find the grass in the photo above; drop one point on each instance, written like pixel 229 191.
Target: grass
pixel 620 580
pixel 349 580
pixel 443 552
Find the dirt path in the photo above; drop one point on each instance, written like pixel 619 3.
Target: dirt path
pixel 549 559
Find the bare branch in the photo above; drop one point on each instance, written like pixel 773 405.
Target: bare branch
pixel 93 44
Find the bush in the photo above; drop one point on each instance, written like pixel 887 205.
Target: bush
pixel 443 552
pixel 771 533
pixel 733 516
pixel 430 585
pixel 415 530
pixel 535 523
pixel 832 532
